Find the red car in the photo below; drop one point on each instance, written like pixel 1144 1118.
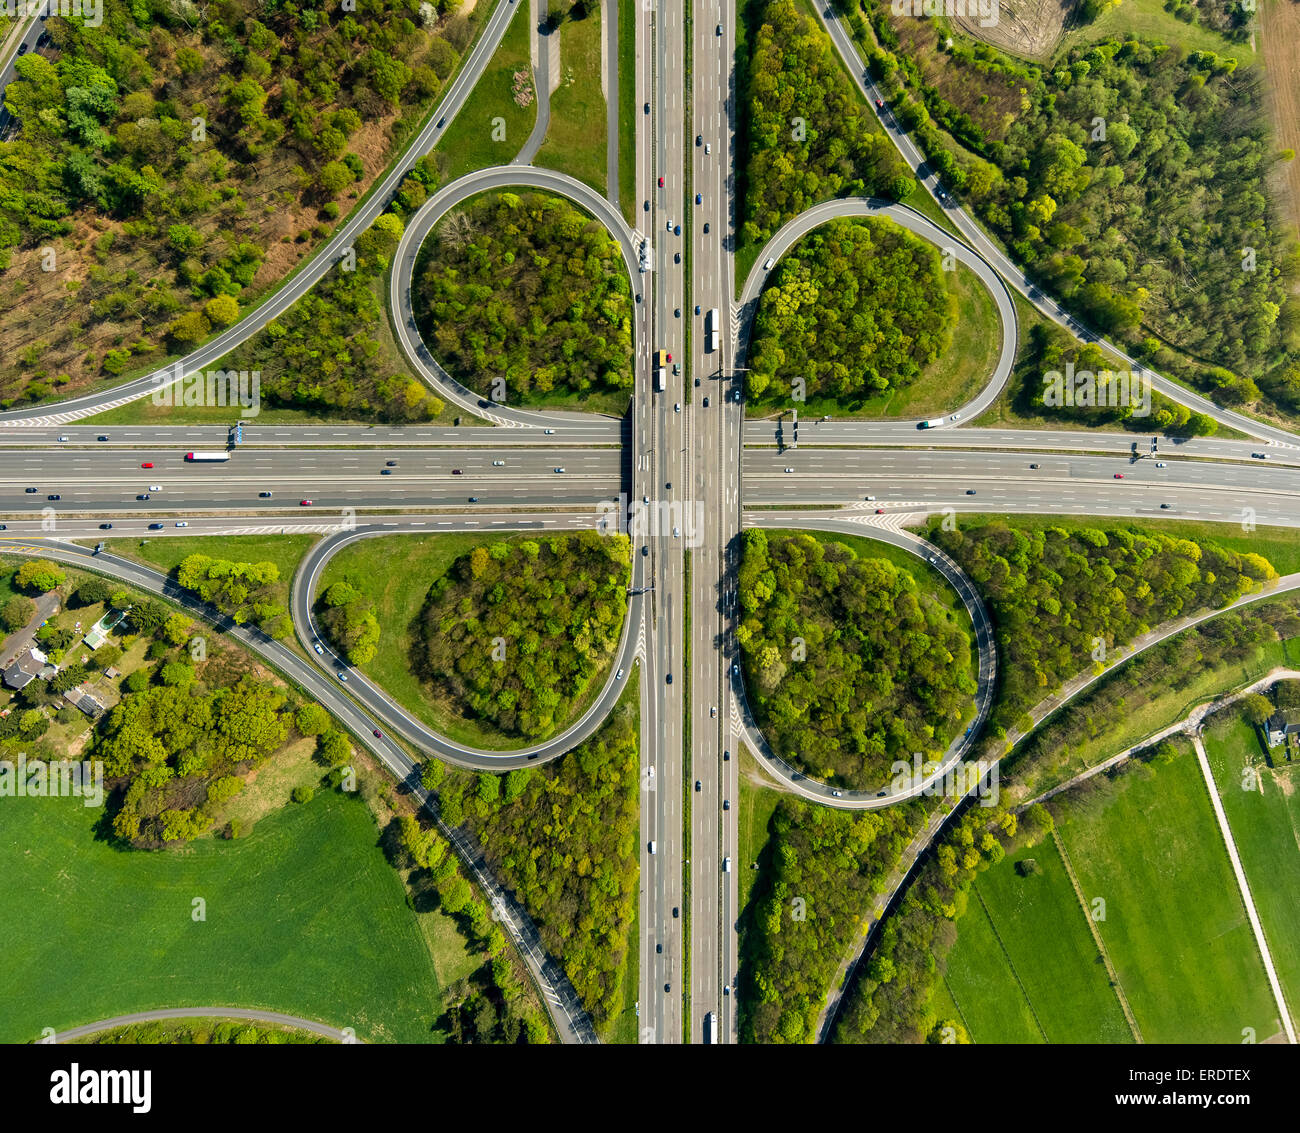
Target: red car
pixel 879 105
pixel 304 503
pixel 661 182
pixel 1119 476
pixel 670 357
pixel 379 733
pixel 147 464
pixel 880 511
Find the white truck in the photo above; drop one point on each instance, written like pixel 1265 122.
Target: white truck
pixel 205 457
pixel 933 423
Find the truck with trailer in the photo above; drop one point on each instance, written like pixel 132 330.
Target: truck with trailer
pixel 933 423
pixel 205 457
pixel 661 375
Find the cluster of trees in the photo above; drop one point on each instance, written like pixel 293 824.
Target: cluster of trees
pixel 1131 178
pixel 490 1005
pixel 526 287
pixel 39 576
pixel 849 665
pixel 807 137
pixel 563 838
pixel 329 352
pixel 891 1001
pixel 857 308
pixel 348 617
pixel 178 134
pixel 178 750
pixel 1050 350
pixel 248 592
pixel 1060 599
pixel 203 1032
pixel 515 633
pixel 823 869
pixel 17 612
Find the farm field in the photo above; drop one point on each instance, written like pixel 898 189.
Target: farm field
pixel 1265 825
pixel 1174 923
pixel 1066 983
pixel 304 916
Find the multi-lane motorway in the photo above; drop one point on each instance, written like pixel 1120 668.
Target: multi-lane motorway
pixel 685 458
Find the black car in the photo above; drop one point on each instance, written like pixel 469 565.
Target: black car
pixel 473 499
pixel 4 527
pixel 677 257
pixel 143 496
pixel 668 987
pixel 706 228
pixel 970 491
pixel 441 123
pixel 659 947
pixel 106 527
pixel 645 550
pixel 706 403
pixel 264 495
pixel 670 678
pixel 155 527
pixel 647 108
pixel 676 911
pixel 54 496
pixel 385 472
pixel 22 49
pixel 392 464
pixel 101 438
pixel 31 491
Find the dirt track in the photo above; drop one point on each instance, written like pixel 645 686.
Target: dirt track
pixel 1030 29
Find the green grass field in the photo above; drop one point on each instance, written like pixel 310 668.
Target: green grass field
pixel 575 139
pixel 1148 19
pixel 1175 926
pixel 469 141
pixel 628 111
pixel 286 551
pixel 1045 955
pixel 992 1003
pixel 756 806
pixel 304 916
pixel 1265 825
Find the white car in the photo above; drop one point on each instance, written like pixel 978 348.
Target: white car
pixel 713 712
pixel 182 524
pixel 838 794
pixel 62 439
pixel 1161 464
pixel 155 487
pixel 677 407
pixel 789 469
pixel 498 464
pixel 619 675
pixel 559 470
pixel 708 147
pixel 343 677
pixel 548 432
pixel 871 499
pixel 316 646
pixel 677 532
pixel 955 417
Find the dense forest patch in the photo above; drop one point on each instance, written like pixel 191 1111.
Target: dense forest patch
pixel 855 309
pixel 177 163
pixel 515 634
pixel 526 287
pixel 848 663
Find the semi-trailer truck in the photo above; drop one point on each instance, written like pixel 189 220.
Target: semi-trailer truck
pixel 714 320
pixel 931 424
pixel 661 377
pixel 711 1028
pixel 199 457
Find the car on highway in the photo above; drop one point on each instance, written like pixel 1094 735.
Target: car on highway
pixel 677 229
pixel 378 734
pixel 668 987
pixel 677 312
pixel 735 395
pixel 101 438
pixel 106 527
pixel 706 228
pixel 1119 476
pixel 767 264
pixel 56 496
pixel 30 491
pixel 62 439
pixel 669 225
pixel 879 105
pixel 1166 507
pixel 789 469
pixel 647 108
pixel 659 948
pixel 549 432
pixel 699 199
pixel 677 406
pixel 955 417
pixel 708 147
pixel 143 496
pixel 182 523
pixel 22 49
pixel 706 403
pixel 677 532
pixel 155 487
pixel 646 206
pixel 668 356
pixel 726 755
pixel 837 794
pixel 676 911
pixel 713 712
pixel 619 675
pixel 645 550
pixel 698 786
pixel 559 470
pixel 735 668
pixel 456 472
pixel 670 679
pixel 317 646
pixel 147 464
pixel 699 139
pixel 677 370
pixel 1259 456
pixel 1033 466
pixel 970 491
pixel 385 472
pixel 1161 464
pixel 441 123
pixel 717 30
pixel 390 464
pixel 498 464
pixel 304 503
pixel 677 259
pixel 343 676
pixel 155 527
pixel 264 495
pixel 661 182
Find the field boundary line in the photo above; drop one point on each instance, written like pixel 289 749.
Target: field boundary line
pixel 1243 887
pixel 1101 944
pixel 1010 964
